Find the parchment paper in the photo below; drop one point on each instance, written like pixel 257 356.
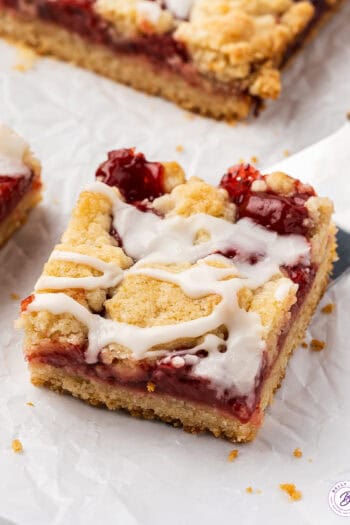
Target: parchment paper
pixel 84 466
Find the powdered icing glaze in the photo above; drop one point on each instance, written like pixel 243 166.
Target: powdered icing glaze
pixel 12 149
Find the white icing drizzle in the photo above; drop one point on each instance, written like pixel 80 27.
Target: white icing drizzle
pixel 12 148
pixel 180 8
pixel 111 274
pixel 149 10
pixel 150 239
pixel 283 289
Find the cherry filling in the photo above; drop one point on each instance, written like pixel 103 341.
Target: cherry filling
pixel 232 253
pixel 282 214
pixel 135 177
pixel 12 189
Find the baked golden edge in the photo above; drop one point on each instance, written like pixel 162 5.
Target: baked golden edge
pixel 30 199
pixel 192 416
pixel 48 39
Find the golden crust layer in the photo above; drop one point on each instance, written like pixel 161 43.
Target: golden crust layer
pixel 191 416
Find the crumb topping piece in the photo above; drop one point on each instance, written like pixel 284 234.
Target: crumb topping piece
pixel 291 490
pixel 17 446
pixel 316 345
pixel 233 455
pixel 297 453
pixel 328 308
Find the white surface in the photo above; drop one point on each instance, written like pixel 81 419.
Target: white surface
pixel 82 465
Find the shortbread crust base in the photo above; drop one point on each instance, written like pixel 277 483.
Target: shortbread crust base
pixel 193 417
pixel 48 39
pixel 20 213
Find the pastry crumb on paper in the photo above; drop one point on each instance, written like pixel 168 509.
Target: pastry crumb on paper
pixel 297 453
pixel 17 446
pixel 328 308
pixel 317 345
pixel 233 455
pixel 291 490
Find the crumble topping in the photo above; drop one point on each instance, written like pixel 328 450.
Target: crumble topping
pixel 227 37
pixel 291 490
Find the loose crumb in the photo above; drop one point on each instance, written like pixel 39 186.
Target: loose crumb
pixel 250 490
pixel 286 153
pixel 30 404
pixel 348 115
pixel 290 489
pixel 25 59
pixel 316 345
pixel 17 446
pixel 304 344
pixel 233 454
pixel 310 460
pixel 151 386
pixel 328 309
pixel 297 453
pixel 14 296
pixel 241 161
pixel 179 148
pixel 254 159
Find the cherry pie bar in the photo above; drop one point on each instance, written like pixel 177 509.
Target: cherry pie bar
pixel 20 183
pixel 178 300
pixel 218 57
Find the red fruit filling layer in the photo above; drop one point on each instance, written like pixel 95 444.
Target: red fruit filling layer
pixel 12 189
pixel 282 214
pixel 135 177
pixel 176 382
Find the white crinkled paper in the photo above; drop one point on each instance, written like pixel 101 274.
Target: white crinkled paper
pixel 82 465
